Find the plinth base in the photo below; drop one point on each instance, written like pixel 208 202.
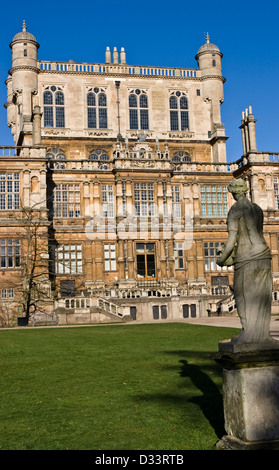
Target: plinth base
pixel 237 346
pixel 232 443
pixel 251 399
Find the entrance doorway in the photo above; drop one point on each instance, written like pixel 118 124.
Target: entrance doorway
pixel 133 313
pixel 146 268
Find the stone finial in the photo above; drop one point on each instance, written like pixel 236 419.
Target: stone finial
pixel 207 38
pixel 24 26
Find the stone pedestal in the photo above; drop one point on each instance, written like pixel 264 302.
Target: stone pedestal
pixel 251 399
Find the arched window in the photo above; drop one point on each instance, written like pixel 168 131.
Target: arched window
pixel 179 117
pixel 180 157
pixel 100 156
pixel 54 111
pixel 97 109
pixel 57 159
pixel 138 110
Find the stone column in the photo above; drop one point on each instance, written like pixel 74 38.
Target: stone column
pixel 88 261
pixel 37 116
pixel 121 260
pixel 130 259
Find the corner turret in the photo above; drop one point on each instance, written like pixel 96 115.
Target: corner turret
pixel 24 73
pixel 209 59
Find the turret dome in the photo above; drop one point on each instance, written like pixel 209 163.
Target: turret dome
pixel 24 35
pixel 208 46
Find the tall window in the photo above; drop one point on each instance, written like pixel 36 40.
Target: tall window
pixel 9 191
pixel 176 204
pixel 54 111
pixel 108 201
pixel 97 109
pixel 110 257
pixel 144 199
pixel 210 256
pixel 276 191
pixel 178 256
pixel 10 253
pixel 67 259
pixel 145 260
pixel 67 200
pixel 138 110
pixel 214 201
pixel 179 116
pixel 124 199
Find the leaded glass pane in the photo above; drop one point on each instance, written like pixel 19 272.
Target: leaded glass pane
pixel 132 101
pixel 48 97
pixel 143 101
pixel 59 98
pixel 60 118
pixel 91 100
pixel 144 119
pixel 133 119
pixel 102 118
pixel 174 120
pixel 173 102
pixel 92 118
pixel 48 116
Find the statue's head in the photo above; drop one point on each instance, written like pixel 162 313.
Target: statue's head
pixel 237 187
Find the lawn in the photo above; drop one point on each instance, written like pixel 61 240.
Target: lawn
pixel 111 387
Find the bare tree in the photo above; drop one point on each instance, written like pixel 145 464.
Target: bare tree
pixel 31 284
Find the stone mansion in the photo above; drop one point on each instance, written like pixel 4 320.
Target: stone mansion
pixel 118 177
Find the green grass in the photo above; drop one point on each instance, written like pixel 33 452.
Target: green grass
pixel 132 387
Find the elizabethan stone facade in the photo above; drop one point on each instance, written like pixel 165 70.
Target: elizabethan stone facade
pixel 122 170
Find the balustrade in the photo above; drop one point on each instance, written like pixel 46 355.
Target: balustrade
pixel 118 69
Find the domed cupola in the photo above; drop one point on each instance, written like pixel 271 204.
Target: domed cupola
pixel 209 58
pixel 24 36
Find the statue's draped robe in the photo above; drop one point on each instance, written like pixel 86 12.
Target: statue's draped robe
pixel 252 278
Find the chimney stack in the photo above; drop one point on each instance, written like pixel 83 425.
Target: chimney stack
pixel 122 56
pixel 108 56
pixel 115 55
pixel 248 130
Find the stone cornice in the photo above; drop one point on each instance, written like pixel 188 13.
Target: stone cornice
pixel 23 67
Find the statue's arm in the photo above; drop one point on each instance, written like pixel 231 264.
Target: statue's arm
pixel 228 248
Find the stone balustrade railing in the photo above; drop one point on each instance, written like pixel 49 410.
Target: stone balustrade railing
pixel 23 152
pixel 51 66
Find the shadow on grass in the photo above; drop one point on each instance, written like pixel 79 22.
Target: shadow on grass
pixel 211 400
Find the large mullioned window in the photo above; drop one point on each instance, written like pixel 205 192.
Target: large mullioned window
pixel 67 200
pixel 138 110
pixel 144 199
pixel 10 253
pixel 179 114
pixel 214 201
pixel 211 253
pixel 67 259
pixel 54 110
pixel 97 109
pixel 110 257
pixel 9 191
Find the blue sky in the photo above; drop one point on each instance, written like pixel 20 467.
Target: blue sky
pixel 163 33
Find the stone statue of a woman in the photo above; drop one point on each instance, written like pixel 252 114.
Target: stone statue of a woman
pixel 247 250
